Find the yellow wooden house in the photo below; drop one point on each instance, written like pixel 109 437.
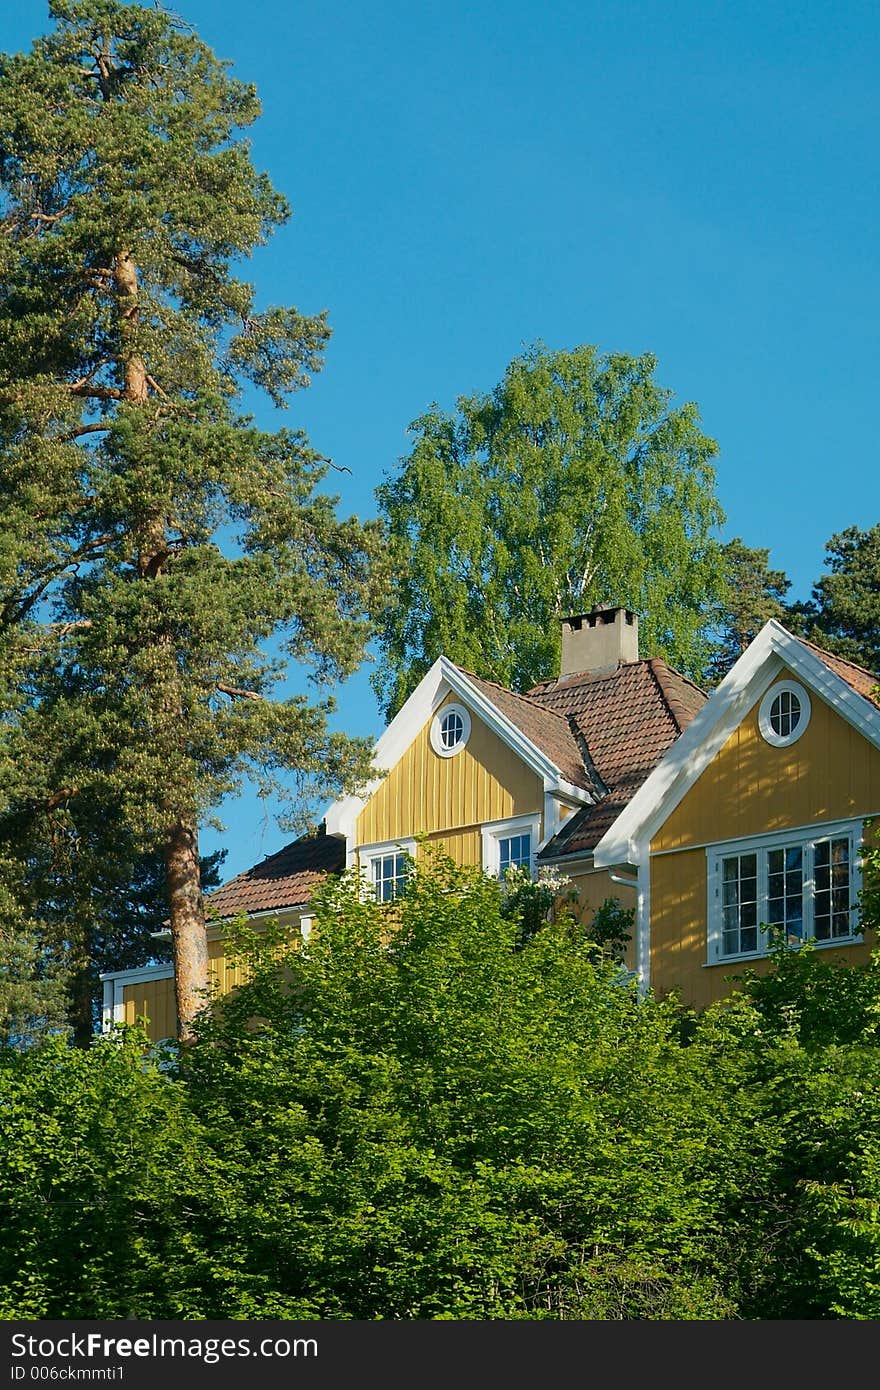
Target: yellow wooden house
pixel 716 818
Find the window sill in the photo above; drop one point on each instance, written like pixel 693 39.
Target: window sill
pixel 855 940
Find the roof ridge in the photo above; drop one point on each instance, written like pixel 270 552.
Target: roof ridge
pixel 590 677
pixel 659 666
pixel 535 704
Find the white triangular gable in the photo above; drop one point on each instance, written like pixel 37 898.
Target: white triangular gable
pixel 444 678
pixel 774 647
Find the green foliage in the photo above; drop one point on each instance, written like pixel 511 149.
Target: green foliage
pixel 869 896
pixel 155 542
pixel 428 1112
pixel 817 1000
pixel 435 1119
pixel 843 614
pixel 611 927
pixel 752 594
pixel 532 902
pixel 574 482
pixel 33 979
pixel 105 1188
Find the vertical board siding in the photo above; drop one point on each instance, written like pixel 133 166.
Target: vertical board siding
pixel 426 794
pixel 750 788
pixel 831 773
pixel 462 846
pixel 154 999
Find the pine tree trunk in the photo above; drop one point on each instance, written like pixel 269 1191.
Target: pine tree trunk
pixel 187 925
pixel 182 848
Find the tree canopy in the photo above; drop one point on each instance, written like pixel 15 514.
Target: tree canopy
pixel 438 1111
pixel 155 538
pixel 752 593
pixel 576 481
pixel 843 613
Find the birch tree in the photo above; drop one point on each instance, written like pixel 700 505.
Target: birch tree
pixel 576 481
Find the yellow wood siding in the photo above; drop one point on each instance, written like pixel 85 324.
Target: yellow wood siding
pixel 594 886
pixel 154 999
pixel 426 794
pixel 831 773
pixel 679 905
pixel 750 788
pixel 463 846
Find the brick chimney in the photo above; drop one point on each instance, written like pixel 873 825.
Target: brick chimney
pixel 598 641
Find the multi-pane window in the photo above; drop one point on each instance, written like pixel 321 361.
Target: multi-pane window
pixel 831 870
pixel 804 885
pixel 785 890
pixel 451 729
pixel 511 844
pixel 785 713
pixel 514 852
pixel 389 872
pixel 739 912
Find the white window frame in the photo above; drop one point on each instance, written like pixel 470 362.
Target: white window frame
pixel 368 854
pixel 436 734
pixel 805 837
pixel 493 833
pixel 768 733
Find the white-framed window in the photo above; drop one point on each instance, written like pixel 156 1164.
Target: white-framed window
pixel 803 882
pixel 510 844
pixel 385 868
pixel 450 730
pixel 784 713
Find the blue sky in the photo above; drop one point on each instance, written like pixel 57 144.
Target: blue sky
pixel 694 179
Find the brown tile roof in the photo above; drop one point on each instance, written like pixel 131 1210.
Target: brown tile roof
pixel 605 733
pixel 626 720
pixel 862 681
pixel 285 879
pixel 549 729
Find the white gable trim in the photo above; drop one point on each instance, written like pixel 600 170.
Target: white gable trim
pixel 114 981
pixel 443 679
pixel 705 736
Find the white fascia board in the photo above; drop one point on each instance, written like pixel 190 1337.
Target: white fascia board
pixel 679 768
pixel 833 689
pixel 142 972
pixel 445 678
pixel 410 718
pixel 543 766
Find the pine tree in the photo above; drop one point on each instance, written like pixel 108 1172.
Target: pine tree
pixel 753 593
pixel 843 613
pixel 155 538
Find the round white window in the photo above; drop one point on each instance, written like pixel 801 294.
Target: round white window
pixel 784 713
pixel 450 730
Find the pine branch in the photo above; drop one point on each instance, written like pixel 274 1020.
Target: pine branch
pixel 151 381
pixel 236 693
pixel 83 429
pixel 97 393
